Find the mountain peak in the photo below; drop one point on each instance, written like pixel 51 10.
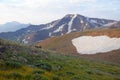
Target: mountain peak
pixel 71 15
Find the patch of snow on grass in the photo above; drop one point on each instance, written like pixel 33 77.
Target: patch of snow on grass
pixel 93 45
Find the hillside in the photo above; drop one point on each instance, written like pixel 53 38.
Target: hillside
pixel 64 45
pixel 20 62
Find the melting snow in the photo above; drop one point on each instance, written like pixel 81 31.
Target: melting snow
pixel 109 24
pixel 50 34
pixel 70 23
pixel 25 41
pixel 81 21
pixel 48 27
pixel 93 21
pixel 74 30
pixel 59 29
pixel 92 45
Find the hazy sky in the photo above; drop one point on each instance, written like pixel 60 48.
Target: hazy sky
pixel 43 11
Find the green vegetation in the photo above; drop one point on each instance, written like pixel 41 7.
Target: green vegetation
pixel 18 62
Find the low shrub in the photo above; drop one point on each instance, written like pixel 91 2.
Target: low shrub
pixel 15 76
pixel 38 72
pixel 56 78
pixel 45 66
pixel 13 64
pixel 70 73
pixel 39 77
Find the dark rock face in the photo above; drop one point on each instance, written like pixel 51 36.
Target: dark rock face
pixel 69 23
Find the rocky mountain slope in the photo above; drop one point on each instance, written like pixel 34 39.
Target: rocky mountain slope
pixel 69 23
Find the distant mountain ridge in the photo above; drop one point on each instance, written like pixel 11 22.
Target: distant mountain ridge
pixel 69 23
pixel 113 25
pixel 12 26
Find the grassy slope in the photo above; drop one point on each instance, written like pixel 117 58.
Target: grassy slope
pixel 64 45
pixel 18 62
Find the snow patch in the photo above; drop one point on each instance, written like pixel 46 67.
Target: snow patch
pixel 74 30
pixel 48 27
pixel 25 41
pixel 93 21
pixel 59 29
pixel 81 21
pixel 50 34
pixel 86 24
pixel 84 28
pixel 109 24
pixel 70 23
pixel 93 45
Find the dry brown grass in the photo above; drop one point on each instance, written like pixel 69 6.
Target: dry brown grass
pixel 112 56
pixel 63 44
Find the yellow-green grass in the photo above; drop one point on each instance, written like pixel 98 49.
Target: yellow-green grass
pixel 19 62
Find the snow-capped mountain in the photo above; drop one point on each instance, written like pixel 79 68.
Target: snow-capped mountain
pixel 69 23
pixel 12 26
pixel 74 22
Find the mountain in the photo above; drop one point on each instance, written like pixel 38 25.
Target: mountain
pixel 21 62
pixel 69 23
pixel 12 26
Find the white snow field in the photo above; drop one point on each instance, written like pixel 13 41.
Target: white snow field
pixel 97 44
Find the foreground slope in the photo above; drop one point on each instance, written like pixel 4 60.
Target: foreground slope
pixel 19 62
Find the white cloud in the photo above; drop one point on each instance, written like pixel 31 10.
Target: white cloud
pixel 42 11
pixel 82 1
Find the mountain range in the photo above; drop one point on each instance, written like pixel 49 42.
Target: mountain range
pixel 69 23
pixel 12 26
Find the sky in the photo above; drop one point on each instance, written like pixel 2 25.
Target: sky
pixel 44 11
